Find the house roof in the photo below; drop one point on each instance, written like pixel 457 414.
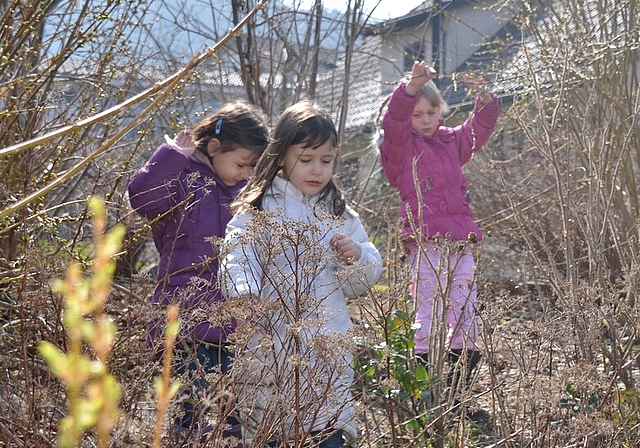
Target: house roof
pixel 415 17
pixel 364 88
pixel 561 34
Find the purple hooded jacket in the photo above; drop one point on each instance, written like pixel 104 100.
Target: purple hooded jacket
pixel 438 203
pixel 188 207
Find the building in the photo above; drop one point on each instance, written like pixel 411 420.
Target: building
pixel 454 35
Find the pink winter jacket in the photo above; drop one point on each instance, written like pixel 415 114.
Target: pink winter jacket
pixel 429 169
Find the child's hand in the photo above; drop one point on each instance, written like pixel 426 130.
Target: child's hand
pixel 182 143
pixel 345 248
pixel 421 73
pixel 476 85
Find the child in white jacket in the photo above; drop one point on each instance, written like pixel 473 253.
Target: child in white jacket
pixel 295 252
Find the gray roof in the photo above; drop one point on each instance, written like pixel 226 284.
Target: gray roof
pixel 365 87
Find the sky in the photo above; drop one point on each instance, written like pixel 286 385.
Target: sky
pixel 384 9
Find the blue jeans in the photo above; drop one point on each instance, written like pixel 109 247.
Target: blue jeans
pixel 335 440
pixel 195 360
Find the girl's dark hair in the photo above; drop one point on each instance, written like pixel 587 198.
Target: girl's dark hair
pixel 235 124
pixel 304 122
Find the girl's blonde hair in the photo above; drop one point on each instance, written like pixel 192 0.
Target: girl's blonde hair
pixel 304 122
pixel 432 93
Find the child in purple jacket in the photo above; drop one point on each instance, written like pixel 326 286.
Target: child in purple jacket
pixel 423 159
pixel 184 190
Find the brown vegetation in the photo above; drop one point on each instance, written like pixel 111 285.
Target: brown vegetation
pixel 556 189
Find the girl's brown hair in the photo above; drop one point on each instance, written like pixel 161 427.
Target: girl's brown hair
pixel 304 122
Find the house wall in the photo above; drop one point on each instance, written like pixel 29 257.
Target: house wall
pixel 465 29
pixel 392 52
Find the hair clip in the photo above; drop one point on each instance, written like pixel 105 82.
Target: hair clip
pixel 218 126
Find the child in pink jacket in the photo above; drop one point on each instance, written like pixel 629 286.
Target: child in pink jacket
pixel 423 159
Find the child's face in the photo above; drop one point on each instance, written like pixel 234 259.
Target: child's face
pixel 309 169
pixel 233 166
pixel 426 117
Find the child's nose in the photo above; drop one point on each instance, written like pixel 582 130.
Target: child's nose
pixel 246 172
pixel 315 167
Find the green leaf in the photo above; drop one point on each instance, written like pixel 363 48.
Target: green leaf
pixel 57 361
pixel 421 373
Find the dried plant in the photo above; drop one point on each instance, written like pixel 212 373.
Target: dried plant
pixel 555 188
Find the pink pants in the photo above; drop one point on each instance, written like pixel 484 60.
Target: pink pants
pixel 444 287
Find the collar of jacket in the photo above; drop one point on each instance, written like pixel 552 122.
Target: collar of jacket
pixel 443 134
pixel 285 189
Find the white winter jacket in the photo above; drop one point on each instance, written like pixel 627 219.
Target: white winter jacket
pixel 296 370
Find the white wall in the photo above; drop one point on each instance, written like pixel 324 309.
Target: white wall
pixel 465 29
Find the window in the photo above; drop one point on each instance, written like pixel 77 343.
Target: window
pixel 413 52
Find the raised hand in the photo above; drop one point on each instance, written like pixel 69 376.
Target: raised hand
pixel 183 143
pixel 476 84
pixel 421 73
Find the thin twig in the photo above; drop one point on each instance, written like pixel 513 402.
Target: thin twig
pixel 164 88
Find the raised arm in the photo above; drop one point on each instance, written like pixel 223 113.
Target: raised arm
pixel 397 124
pixel 481 125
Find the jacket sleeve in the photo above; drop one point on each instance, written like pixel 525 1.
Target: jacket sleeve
pixel 364 273
pixel 156 187
pixel 477 129
pixel 397 141
pixel 240 271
